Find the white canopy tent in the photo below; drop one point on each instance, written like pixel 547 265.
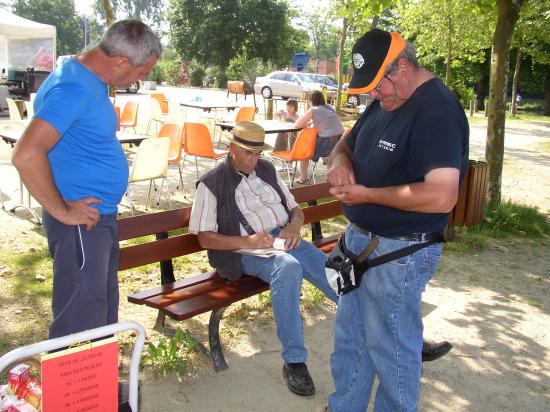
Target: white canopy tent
pixel 25 43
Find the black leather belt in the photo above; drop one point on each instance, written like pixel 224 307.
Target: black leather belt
pixel 413 237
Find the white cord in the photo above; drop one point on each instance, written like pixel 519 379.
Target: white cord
pixel 81 248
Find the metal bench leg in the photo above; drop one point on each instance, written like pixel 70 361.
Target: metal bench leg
pixel 214 340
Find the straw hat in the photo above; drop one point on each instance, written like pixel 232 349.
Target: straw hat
pixel 250 136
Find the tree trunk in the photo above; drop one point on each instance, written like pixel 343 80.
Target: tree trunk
pixel 515 82
pixel 449 43
pixel 507 16
pixel 341 63
pixel 546 111
pixel 108 12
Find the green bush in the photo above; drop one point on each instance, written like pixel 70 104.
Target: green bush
pixel 243 68
pixel 196 74
pixel 157 74
pixel 172 71
pixel 216 77
pixel 464 93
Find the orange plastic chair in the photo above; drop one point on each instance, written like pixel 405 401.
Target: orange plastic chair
pixel 128 118
pixel 198 142
pixel 245 113
pixel 303 149
pixel 173 131
pixel 162 101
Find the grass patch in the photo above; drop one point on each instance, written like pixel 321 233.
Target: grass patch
pixel 509 218
pixel 533 302
pixel 544 147
pixel 501 221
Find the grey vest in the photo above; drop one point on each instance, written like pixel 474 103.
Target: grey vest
pixel 222 181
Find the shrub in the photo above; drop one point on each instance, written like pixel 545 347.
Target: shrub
pixel 463 92
pixel 172 71
pixel 157 74
pixel 216 77
pixel 243 68
pixel 196 74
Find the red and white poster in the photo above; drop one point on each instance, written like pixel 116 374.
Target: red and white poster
pixel 81 379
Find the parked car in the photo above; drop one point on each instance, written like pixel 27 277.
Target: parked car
pixel 327 80
pixel 132 88
pixel 356 99
pixel 286 84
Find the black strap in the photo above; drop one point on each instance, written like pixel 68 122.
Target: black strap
pixel 361 266
pixel 245 223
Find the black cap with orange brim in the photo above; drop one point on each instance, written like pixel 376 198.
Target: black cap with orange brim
pixel 371 54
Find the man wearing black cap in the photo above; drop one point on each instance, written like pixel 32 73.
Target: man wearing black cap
pixel 397 173
pixel 244 204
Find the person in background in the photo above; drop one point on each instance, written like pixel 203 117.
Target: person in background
pixel 285 141
pixel 244 204
pixel 397 174
pixel 72 163
pixel 329 129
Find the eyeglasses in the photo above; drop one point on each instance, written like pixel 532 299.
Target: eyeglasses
pixel 380 83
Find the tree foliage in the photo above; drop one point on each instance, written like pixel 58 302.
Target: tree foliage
pixel 151 12
pixel 324 37
pixel 59 13
pixel 214 32
pixel 454 31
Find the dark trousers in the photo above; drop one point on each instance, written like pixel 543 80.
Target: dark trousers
pixel 85 267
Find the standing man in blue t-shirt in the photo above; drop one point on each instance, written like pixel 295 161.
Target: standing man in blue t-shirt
pixel 72 163
pixel 397 173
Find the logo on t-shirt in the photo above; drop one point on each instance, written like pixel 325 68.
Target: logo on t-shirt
pixel 382 144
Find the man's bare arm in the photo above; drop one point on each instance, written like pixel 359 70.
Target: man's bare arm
pixel 437 194
pixel 30 157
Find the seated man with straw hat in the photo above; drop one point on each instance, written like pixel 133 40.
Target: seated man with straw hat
pixel 243 204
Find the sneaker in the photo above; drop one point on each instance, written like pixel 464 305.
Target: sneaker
pixel 298 379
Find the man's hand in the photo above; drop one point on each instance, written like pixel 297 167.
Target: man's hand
pixel 292 236
pixel 340 171
pixel 350 194
pixel 261 240
pixel 80 212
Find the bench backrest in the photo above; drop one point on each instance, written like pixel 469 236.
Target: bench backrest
pixel 165 248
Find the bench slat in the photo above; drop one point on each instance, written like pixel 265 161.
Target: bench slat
pixel 234 291
pixel 309 193
pixel 141 296
pixel 151 224
pixel 321 212
pixel 157 250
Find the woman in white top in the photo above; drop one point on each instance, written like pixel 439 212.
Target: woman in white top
pixel 329 129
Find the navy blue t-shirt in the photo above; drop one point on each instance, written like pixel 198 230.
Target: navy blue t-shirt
pixel 391 148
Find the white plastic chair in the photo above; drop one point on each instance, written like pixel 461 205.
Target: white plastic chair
pixel 175 113
pixel 156 115
pixel 151 162
pixel 15 114
pixel 30 109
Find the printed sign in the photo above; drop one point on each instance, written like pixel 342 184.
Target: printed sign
pixel 81 379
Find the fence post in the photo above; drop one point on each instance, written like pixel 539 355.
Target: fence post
pixel 269 109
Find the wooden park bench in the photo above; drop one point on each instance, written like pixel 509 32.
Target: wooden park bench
pixel 205 292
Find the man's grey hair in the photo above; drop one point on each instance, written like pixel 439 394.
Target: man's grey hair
pixel 132 39
pixel 407 53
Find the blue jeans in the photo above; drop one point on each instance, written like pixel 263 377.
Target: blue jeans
pixel 284 274
pixel 378 330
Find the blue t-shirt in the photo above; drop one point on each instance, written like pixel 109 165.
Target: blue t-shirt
pixel 87 160
pixel 391 148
